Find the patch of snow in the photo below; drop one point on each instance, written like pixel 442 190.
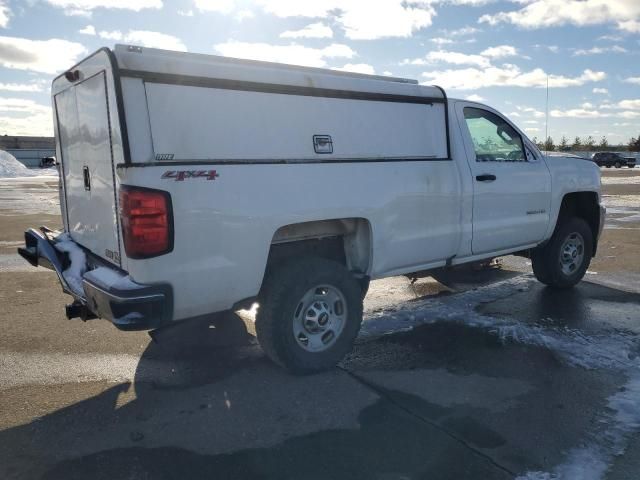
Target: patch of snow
pixel 620 180
pixel 73 274
pixel 591 461
pixel 615 351
pixel 581 464
pixel 110 278
pixel 12 168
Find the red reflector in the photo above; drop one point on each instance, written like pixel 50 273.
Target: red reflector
pixel 147 224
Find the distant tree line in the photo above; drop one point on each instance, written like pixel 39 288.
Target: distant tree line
pixel 588 144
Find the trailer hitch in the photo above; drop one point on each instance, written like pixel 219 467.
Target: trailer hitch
pixel 79 310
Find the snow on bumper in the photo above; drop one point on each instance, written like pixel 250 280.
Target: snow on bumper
pixel 103 291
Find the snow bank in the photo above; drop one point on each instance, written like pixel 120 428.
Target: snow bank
pixel 12 168
pixel 73 274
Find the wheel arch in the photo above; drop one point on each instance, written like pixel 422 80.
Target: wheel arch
pixel 345 240
pixel 583 205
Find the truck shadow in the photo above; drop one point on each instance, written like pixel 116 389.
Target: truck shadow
pixel 206 403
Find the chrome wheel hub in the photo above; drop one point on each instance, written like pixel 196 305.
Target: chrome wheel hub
pixel 572 253
pixel 319 318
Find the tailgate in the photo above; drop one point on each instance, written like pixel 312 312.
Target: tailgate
pixel 86 151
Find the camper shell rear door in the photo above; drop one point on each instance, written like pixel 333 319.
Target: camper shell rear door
pixel 89 137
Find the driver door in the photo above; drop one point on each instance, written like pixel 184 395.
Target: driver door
pixel 511 185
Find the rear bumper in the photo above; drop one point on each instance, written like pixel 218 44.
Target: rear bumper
pixel 128 305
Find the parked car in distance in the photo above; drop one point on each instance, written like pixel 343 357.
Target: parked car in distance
pixel 612 159
pixel 194 184
pixel 47 162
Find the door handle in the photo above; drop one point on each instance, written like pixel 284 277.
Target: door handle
pixel 86 177
pixel 487 177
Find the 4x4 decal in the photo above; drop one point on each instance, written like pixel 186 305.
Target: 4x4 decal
pixel 181 175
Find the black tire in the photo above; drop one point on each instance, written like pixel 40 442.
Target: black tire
pixel 546 260
pixel 281 301
pixel 618 165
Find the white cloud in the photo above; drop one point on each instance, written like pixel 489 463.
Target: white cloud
pixel 145 38
pixel 387 73
pixel 454 58
pixel 611 38
pixel 634 80
pixel 629 104
pixel 185 13
pixel 577 113
pixel 441 41
pixel 115 35
pixel 475 98
pixel 551 48
pixel 549 13
pixel 631 26
pixel 453 36
pixel 85 7
pixel 5 12
pixel 482 60
pixel 359 19
pixel 507 75
pixel 463 31
pixel 530 111
pixel 244 14
pixel 151 39
pixel 88 30
pixel 19 116
pixel 313 30
pixel 600 50
pixel 46 56
pixel 358 68
pixel 21 105
pixel 21 87
pixel 629 109
pixel 220 6
pixel 500 52
pixel 628 114
pixel 292 54
pixel 601 91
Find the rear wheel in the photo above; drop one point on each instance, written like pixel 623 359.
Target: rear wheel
pixel 310 314
pixel 563 261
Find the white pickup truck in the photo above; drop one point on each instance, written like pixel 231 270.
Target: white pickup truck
pixel 192 184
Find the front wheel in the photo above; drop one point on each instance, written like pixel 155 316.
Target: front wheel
pixel 563 261
pixel 618 165
pixel 310 314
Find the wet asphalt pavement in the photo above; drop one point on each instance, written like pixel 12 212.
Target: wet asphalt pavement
pixel 496 377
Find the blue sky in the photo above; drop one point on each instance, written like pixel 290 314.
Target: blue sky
pixel 497 52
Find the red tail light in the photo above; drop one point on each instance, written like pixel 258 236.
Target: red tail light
pixel 147 221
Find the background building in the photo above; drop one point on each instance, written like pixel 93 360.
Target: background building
pixel 28 150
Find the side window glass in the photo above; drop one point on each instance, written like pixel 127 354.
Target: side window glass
pixel 494 140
